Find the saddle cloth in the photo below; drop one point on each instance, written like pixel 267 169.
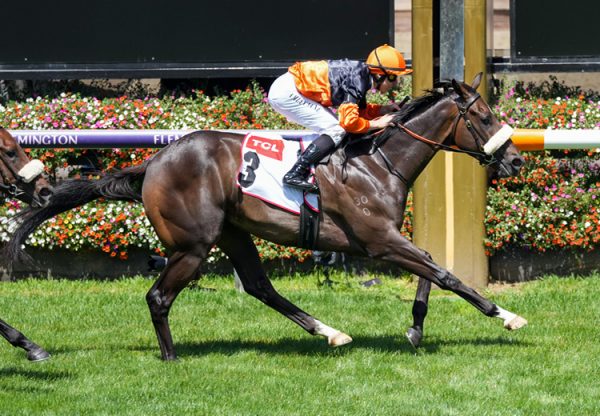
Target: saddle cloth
pixel 266 157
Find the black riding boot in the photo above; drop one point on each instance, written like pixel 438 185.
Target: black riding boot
pixel 298 175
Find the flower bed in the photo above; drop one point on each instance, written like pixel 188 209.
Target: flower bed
pixel 554 203
pixel 546 207
pixel 551 204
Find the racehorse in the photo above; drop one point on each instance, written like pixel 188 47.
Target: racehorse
pixel 22 179
pixel 191 198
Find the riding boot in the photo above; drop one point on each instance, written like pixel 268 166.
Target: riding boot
pixel 317 150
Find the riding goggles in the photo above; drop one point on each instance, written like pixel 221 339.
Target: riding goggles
pixel 391 77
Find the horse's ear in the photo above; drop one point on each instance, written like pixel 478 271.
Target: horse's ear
pixel 476 81
pixel 458 88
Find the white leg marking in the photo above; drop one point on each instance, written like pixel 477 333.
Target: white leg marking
pixel 511 320
pixel 334 337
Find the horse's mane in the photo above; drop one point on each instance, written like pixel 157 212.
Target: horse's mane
pixel 420 104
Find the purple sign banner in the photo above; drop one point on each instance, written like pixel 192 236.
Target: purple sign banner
pixel 111 139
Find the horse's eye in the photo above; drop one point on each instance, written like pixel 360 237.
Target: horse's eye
pixel 487 120
pixel 11 154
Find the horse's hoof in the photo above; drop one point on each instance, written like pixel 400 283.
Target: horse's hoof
pixel 414 336
pixel 515 323
pixel 37 354
pixel 339 339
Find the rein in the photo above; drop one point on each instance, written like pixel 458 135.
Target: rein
pixel 483 158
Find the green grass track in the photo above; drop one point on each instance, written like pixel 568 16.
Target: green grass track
pixel 238 357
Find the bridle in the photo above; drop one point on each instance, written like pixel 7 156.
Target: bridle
pixel 485 156
pixel 25 175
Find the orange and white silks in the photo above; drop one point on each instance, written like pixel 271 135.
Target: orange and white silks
pixel 341 84
pixel 312 80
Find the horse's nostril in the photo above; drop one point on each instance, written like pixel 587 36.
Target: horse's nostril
pixel 45 192
pixel 517 162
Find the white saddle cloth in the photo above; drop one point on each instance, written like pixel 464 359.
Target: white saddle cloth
pixel 266 157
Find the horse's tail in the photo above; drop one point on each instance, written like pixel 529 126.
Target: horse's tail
pixel 123 185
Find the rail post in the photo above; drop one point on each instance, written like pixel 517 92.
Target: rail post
pixel 449 196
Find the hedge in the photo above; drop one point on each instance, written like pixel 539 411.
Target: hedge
pixel 552 203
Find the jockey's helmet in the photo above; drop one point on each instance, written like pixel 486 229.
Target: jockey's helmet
pixel 385 60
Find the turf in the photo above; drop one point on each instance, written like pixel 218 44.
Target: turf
pixel 238 357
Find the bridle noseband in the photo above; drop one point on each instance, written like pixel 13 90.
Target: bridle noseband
pixel 484 158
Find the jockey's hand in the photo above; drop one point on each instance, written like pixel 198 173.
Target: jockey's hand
pixel 381 122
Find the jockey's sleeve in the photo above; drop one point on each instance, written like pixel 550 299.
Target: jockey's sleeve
pixel 350 119
pixel 312 81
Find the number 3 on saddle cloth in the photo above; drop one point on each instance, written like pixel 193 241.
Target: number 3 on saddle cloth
pixel 266 157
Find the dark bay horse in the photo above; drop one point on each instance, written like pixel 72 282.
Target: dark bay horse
pixel 22 179
pixel 190 196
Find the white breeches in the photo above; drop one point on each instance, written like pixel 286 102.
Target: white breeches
pixel 285 99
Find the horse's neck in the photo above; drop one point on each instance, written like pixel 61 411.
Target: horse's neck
pixel 418 155
pixel 410 155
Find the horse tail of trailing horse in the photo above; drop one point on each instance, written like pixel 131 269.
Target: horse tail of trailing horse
pixel 122 185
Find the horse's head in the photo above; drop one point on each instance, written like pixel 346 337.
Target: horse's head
pixel 22 178
pixel 477 130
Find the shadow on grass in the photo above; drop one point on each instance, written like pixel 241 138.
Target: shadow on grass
pixel 433 345
pixel 306 346
pixel 288 346
pixel 11 378
pixel 46 375
pixel 318 346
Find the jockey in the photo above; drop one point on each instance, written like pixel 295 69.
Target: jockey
pixel 306 92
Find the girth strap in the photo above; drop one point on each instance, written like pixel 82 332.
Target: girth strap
pixel 309 226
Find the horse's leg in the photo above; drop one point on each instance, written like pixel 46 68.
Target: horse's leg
pixel 17 339
pixel 240 249
pixel 181 268
pixel 417 261
pixel 419 311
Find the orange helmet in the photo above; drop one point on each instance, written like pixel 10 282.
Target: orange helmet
pixel 387 60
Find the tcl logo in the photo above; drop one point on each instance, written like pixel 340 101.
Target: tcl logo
pixel 267 147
